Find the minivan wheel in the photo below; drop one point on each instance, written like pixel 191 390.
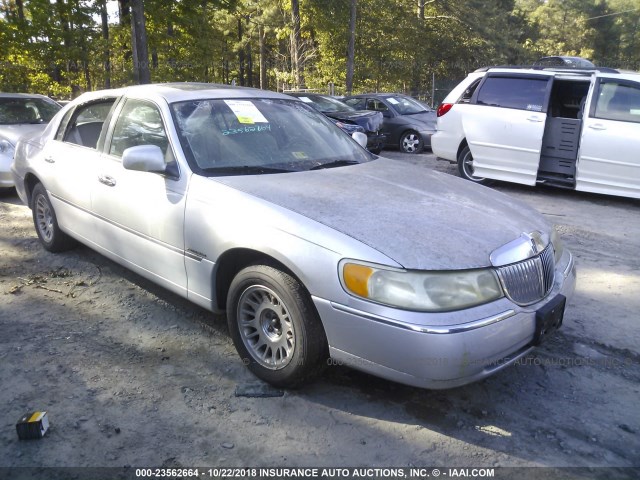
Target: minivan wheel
pixel 411 142
pixel 275 327
pixel 44 219
pixel 465 167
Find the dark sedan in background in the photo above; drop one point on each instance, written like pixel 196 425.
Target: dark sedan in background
pixel 407 124
pixel 348 118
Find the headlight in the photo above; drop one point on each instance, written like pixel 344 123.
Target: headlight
pixel 419 290
pixel 558 247
pixel 6 149
pixel 350 127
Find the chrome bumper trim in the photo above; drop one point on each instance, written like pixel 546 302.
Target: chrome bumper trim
pixel 570 265
pixel 435 329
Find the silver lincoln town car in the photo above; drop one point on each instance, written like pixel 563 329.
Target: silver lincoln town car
pixel 253 203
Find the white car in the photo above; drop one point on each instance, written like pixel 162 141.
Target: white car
pixel 255 203
pixel 20 114
pixel 576 129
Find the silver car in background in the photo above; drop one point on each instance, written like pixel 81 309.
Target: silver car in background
pixel 20 114
pixel 253 203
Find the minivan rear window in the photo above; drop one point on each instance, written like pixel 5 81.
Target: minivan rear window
pixel 523 93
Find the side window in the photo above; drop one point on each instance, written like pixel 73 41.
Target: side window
pixel 85 125
pixel 357 103
pixel 63 125
pixel 618 101
pixel 522 93
pixel 375 104
pixel 139 123
pixel 468 93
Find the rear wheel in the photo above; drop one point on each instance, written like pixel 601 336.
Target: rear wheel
pixel 465 167
pixel 46 223
pixel 275 327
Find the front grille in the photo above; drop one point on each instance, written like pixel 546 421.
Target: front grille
pixel 531 280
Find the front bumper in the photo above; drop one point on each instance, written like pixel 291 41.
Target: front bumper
pixel 375 141
pixel 426 137
pixel 6 179
pixel 435 357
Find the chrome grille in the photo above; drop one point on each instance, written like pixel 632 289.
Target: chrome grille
pixel 531 280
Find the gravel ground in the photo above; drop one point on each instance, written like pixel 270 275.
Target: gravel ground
pixel 131 375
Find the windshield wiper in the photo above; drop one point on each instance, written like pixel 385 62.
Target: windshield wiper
pixel 246 170
pixel 335 163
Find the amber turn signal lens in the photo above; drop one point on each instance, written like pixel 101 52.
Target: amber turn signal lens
pixel 356 279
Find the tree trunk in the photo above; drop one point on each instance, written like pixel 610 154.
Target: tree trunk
pixel 124 12
pixel 20 8
pixel 351 51
pixel 296 45
pixel 249 58
pixel 240 54
pixel 105 36
pixel 139 43
pixel 263 58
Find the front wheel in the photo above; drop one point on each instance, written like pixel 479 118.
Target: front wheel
pixel 275 327
pixel 411 142
pixel 465 167
pixel 44 219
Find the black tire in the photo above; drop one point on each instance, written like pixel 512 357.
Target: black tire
pixel 7 192
pixel 465 167
pixel 411 142
pixel 376 151
pixel 44 219
pixel 269 308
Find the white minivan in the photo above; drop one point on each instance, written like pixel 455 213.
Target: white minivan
pixel 576 129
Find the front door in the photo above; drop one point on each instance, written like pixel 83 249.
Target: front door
pixel 608 161
pixel 140 215
pixel 504 125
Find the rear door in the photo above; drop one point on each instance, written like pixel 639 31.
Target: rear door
pixel 72 156
pixel 608 161
pixel 504 125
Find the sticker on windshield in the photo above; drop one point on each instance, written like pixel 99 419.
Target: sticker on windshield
pixel 246 112
pixel 306 99
pixel 393 100
pixel 300 155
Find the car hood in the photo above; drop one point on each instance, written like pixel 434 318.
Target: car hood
pixel 13 133
pixel 419 218
pixel 428 118
pixel 370 121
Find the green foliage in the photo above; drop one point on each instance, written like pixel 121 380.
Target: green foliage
pixel 57 47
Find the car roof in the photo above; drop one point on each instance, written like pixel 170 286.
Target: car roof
pixel 22 95
pixel 380 95
pixel 183 91
pixel 561 72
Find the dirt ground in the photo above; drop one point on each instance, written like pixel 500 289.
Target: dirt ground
pixel 133 375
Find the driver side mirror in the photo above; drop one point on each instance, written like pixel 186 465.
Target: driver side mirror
pixel 144 158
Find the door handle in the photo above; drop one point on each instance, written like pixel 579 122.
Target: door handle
pixel 107 180
pixel 534 118
pixel 597 126
pixel 49 159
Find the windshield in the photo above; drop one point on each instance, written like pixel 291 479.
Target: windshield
pixel 27 110
pixel 249 136
pixel 406 105
pixel 326 104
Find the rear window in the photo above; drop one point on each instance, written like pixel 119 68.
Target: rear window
pixel 523 93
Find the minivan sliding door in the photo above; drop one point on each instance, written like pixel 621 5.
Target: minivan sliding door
pixel 504 125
